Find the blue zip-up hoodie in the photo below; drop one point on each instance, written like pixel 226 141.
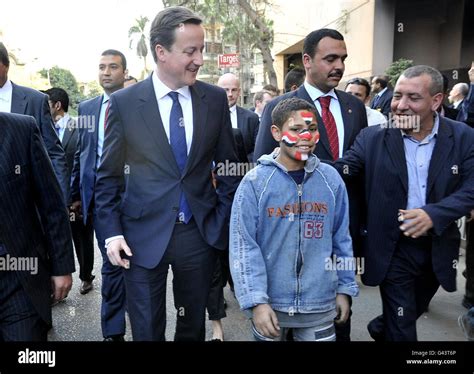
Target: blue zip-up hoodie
pixel 284 236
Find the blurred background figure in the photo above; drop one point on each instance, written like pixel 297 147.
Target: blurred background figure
pixel 129 81
pixel 383 95
pixel 293 79
pixel 360 88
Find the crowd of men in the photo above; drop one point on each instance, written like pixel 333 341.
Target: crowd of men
pixel 136 167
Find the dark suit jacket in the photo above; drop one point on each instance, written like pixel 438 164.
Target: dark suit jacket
pixel 353 115
pixel 466 109
pixel 383 105
pixel 142 201
pixel 450 112
pixel 28 195
pixel 33 103
pixel 85 160
pixel 69 143
pixel 248 122
pixel 379 154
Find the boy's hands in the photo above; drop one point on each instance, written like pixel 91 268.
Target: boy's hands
pixel 342 308
pixel 266 321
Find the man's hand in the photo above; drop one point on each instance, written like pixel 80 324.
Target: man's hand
pixel 342 308
pixel 76 208
pixel 419 222
pixel 61 285
pixel 266 321
pixel 113 253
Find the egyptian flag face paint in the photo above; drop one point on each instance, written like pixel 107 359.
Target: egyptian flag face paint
pixel 288 139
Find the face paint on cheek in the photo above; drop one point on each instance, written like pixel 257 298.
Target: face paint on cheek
pixel 288 139
pixel 301 156
pixel 316 138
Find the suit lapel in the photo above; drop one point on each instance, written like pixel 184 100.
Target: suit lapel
pixel 396 150
pixel 200 110
pixel 18 100
pixel 347 119
pixel 149 110
pixel 323 139
pixel 240 118
pixel 441 151
pixel 67 135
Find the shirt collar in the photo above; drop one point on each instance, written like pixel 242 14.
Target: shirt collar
pixel 161 89
pixel 433 133
pixel 233 108
pixel 382 92
pixel 6 90
pixel 315 93
pixel 62 122
pixel 105 98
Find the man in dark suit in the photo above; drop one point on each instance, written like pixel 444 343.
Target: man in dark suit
pixel 419 178
pixel 82 234
pixel 383 95
pixel 91 123
pixel 23 100
pixel 324 53
pixel 466 109
pixel 154 194
pixel 241 118
pixel 34 231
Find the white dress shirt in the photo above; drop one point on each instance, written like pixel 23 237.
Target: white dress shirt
pixel 62 125
pixel 233 116
pixel 334 107
pixel 374 117
pixel 165 104
pixel 6 97
pixel 100 135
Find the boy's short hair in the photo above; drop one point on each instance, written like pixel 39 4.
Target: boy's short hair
pixel 285 108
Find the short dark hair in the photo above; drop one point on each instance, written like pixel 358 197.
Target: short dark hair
pixel 162 30
pixel 114 52
pixel 382 80
pixel 312 39
pixel 58 94
pixel 4 58
pixel 285 108
pixel 131 78
pixel 270 88
pixel 360 82
pixel 294 77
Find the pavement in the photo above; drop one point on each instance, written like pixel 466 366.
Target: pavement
pixel 78 317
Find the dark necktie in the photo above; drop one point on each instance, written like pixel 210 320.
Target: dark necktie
pixel 179 147
pixel 330 125
pixel 376 101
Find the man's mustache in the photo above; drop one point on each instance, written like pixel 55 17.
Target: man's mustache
pixel 337 73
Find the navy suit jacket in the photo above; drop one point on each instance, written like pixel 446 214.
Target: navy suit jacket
pixel 466 109
pixel 248 122
pixel 139 184
pixel 69 143
pixel 384 103
pixel 378 153
pixel 85 159
pixel 353 114
pixel 33 218
pixel 34 103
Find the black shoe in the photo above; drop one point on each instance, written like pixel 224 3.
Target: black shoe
pixel 86 286
pixel 467 303
pixel 114 338
pixel 376 335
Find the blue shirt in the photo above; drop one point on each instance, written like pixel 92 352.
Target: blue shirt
pixel 418 157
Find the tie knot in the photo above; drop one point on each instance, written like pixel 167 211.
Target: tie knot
pixel 325 101
pixel 174 96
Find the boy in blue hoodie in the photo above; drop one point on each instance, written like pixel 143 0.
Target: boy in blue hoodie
pixel 290 249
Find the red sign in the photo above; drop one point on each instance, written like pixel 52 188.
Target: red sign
pixel 229 60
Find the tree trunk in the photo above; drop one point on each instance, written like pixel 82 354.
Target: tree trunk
pixel 263 44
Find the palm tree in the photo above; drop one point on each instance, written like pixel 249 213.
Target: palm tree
pixel 138 31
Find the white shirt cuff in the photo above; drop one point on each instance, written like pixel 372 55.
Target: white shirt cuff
pixel 111 239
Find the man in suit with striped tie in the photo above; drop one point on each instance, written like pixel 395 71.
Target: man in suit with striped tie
pixel 34 233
